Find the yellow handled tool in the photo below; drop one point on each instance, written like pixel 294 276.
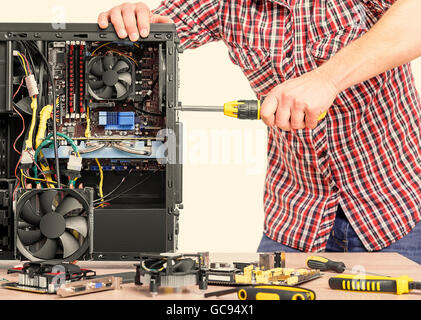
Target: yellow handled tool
pixel 240 109
pixel 275 293
pixel 324 264
pixel 267 292
pixel 363 283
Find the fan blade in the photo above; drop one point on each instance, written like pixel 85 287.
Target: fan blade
pixel 23 225
pixel 46 201
pixel 183 265
pixel 29 214
pixel 70 244
pixel 107 93
pixel 68 204
pixel 96 84
pixel 28 237
pixel 121 90
pixel 108 63
pixel 79 224
pixel 121 66
pixel 48 250
pixel 97 68
pixel 125 77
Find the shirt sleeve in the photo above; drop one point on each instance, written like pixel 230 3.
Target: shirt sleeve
pixel 378 7
pixel 197 22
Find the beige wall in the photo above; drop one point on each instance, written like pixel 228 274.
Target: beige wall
pixel 223 189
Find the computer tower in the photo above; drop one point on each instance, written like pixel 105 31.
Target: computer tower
pixel 90 142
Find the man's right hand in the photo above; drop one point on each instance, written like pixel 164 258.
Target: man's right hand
pixel 131 19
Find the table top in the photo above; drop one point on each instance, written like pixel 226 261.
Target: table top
pixel 391 264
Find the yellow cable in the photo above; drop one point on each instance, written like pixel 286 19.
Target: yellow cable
pixel 101 180
pixel 35 179
pixel 103 45
pixel 88 124
pixel 24 64
pixel 34 107
pixel 44 115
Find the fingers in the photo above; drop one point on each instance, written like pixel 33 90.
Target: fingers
pixel 103 20
pixel 268 109
pixel 143 15
pixel 297 115
pixel 131 19
pixel 156 18
pixel 117 21
pixel 286 113
pixel 311 120
pixel 283 113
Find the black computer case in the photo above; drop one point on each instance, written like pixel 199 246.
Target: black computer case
pixel 144 219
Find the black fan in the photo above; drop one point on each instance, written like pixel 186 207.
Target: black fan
pixel 110 77
pixel 52 224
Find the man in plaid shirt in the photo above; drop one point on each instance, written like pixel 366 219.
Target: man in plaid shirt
pixel 351 182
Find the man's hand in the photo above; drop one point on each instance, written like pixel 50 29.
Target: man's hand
pixel 131 19
pixel 298 103
pixel 391 42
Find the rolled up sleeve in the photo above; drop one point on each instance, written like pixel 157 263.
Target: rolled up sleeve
pixel 197 22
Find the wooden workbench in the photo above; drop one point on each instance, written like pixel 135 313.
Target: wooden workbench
pixel 391 264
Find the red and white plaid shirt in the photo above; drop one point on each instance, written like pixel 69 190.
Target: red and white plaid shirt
pixel 364 156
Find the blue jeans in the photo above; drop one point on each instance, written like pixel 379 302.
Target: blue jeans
pixel 344 239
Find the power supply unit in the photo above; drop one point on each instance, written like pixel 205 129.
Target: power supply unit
pixel 89 143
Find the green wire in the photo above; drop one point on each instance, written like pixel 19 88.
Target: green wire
pixel 45 143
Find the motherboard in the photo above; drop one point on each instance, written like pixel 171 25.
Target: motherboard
pixel 110 101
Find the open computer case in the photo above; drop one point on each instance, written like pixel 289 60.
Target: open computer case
pixel 90 160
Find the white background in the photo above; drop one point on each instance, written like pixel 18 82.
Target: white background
pixel 223 201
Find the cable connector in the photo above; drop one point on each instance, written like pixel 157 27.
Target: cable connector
pixel 27 159
pixel 75 163
pixel 31 85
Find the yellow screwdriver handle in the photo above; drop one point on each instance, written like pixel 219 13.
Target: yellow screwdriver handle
pixel 322 116
pixel 363 283
pixel 248 109
pixel 275 293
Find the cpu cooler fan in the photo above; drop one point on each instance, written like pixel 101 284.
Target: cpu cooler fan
pixel 172 270
pixel 53 223
pixel 110 77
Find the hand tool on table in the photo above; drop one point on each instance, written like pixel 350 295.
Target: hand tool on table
pixel 270 292
pixel 361 283
pixel 240 109
pixel 325 264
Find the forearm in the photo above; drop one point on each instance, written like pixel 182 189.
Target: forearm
pixel 394 40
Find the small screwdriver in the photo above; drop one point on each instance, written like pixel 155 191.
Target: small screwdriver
pixel 241 109
pixel 325 264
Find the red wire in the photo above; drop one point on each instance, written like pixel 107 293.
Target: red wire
pixel 23 130
pixel 20 86
pixel 27 63
pixel 19 181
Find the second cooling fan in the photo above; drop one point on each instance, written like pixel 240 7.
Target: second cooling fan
pixel 53 223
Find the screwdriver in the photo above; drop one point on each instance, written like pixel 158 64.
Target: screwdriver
pixel 266 292
pixel 240 109
pixel 397 285
pixel 325 264
pixel 275 293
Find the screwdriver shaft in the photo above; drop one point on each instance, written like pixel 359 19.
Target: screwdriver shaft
pixel 202 108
